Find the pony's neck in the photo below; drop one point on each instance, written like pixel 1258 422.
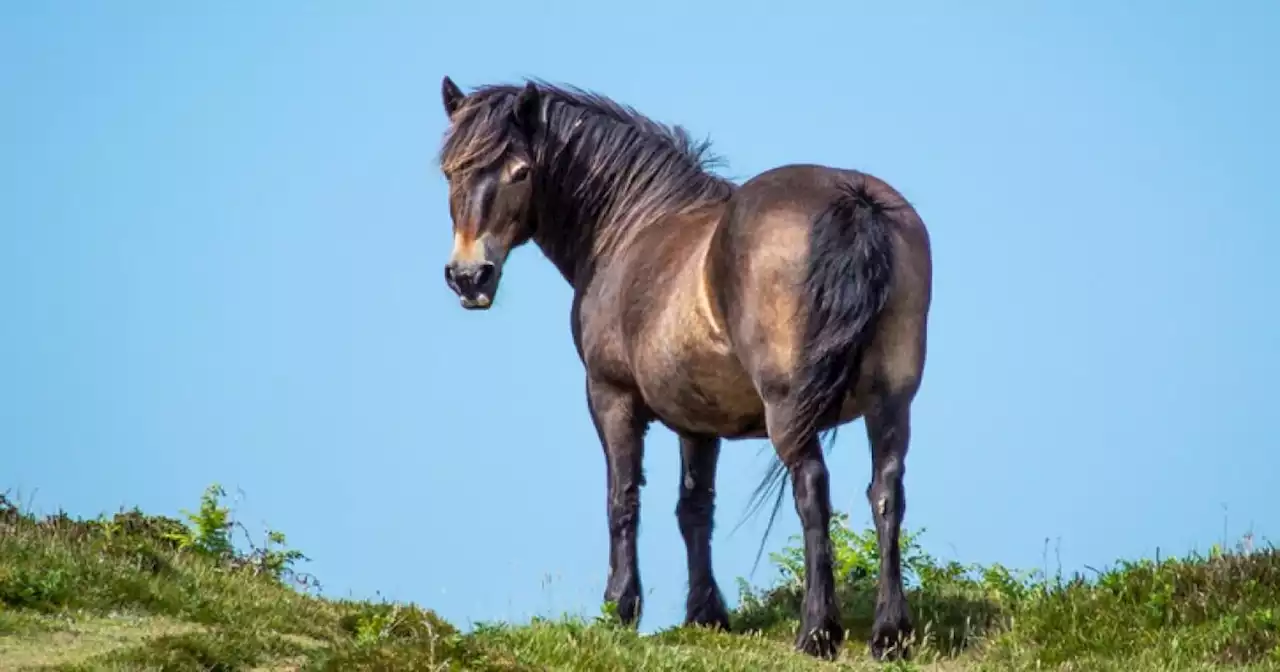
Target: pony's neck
pixel 588 209
pixel 565 232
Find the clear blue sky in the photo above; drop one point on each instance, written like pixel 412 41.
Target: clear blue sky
pixel 222 229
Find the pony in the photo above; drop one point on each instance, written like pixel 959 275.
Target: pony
pixel 782 307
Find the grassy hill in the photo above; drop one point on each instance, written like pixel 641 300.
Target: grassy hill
pixel 140 592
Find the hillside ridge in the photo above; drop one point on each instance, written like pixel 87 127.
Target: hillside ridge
pixel 134 591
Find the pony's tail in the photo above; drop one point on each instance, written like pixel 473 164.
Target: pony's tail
pixel 846 286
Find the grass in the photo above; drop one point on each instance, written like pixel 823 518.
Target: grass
pixel 140 592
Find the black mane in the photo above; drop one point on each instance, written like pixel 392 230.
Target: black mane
pixel 607 170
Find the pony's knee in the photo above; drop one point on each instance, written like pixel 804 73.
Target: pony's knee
pixel 694 509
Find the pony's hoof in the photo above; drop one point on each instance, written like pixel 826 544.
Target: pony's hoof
pixel 821 640
pixel 709 614
pixel 891 639
pixel 628 609
pixel 705 608
pixel 627 605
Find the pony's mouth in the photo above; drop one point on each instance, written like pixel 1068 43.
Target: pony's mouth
pixel 478 302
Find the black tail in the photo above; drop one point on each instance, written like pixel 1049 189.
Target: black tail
pixel 848 282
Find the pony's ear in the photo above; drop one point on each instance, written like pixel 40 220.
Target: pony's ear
pixel 452 96
pixel 527 111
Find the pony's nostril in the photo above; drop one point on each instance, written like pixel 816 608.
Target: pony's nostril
pixel 448 276
pixel 483 274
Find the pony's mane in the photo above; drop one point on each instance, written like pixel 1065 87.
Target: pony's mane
pixel 624 169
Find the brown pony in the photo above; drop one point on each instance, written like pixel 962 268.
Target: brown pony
pixel 782 307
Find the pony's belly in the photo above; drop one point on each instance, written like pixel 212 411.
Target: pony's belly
pixel 735 412
pixel 705 394
pixel 696 413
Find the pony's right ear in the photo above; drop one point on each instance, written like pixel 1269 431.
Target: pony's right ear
pixel 452 96
pixel 528 105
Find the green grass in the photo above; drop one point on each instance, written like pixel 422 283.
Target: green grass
pixel 140 592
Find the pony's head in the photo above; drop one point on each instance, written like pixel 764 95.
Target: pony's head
pixel 488 159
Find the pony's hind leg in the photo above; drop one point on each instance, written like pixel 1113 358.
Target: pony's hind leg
pixel 620 421
pixel 821 632
pixel 694 512
pixel 889 431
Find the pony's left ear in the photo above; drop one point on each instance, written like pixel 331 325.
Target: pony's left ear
pixel 528 109
pixel 451 95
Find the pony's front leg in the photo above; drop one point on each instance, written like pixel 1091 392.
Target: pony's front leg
pixel 704 604
pixel 620 420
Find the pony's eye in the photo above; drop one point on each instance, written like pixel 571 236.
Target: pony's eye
pixel 518 172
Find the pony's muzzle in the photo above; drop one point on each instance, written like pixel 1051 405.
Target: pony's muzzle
pixel 473 281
